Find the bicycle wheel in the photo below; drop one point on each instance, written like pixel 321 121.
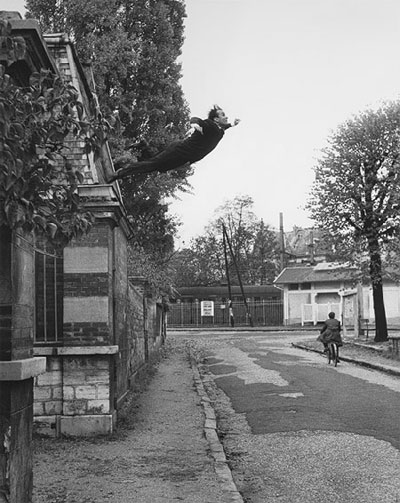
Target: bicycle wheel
pixel 333 351
pixel 336 349
pixel 329 353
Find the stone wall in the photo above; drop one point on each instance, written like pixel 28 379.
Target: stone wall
pixel 111 330
pixel 84 386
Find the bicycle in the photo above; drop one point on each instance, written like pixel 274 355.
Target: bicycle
pixel 333 353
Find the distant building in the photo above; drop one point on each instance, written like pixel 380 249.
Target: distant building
pixel 310 292
pixel 305 246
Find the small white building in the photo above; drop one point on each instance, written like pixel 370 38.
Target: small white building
pixel 310 292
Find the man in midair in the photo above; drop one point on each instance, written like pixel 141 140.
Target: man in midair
pixel 205 136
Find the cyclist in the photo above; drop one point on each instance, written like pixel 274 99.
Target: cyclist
pixel 330 332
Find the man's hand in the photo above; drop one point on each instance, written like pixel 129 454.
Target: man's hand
pixel 236 122
pixel 197 127
pixel 194 127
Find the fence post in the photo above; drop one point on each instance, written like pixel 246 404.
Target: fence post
pixel 263 311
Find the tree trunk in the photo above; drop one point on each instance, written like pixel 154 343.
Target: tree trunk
pixel 381 333
pixel 375 269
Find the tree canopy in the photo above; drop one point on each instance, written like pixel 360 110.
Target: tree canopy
pixel 356 193
pixel 133 46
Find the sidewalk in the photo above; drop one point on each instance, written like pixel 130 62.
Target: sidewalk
pixel 166 451
pixel 363 352
pixel 166 448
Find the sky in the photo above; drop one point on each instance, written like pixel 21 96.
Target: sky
pixel 292 71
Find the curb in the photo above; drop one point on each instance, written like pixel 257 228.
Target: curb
pixel 361 363
pixel 217 451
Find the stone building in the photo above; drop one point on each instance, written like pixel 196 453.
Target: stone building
pixel 75 330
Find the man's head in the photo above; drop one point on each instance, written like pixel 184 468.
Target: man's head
pixel 217 115
pixel 331 315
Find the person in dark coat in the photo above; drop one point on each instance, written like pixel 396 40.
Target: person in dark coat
pixel 205 136
pixel 330 332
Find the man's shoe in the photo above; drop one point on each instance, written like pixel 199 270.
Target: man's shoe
pixel 112 178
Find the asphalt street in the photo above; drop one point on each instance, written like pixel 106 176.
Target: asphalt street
pixel 299 430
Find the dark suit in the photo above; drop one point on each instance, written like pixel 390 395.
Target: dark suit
pixel 186 151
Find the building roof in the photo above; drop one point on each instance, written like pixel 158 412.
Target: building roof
pixel 305 243
pixel 37 55
pixel 222 290
pixel 323 272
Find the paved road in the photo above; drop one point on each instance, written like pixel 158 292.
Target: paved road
pixel 298 430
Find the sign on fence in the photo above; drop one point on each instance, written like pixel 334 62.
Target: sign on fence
pixel 207 308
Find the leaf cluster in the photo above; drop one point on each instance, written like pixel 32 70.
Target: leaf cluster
pixel 38 185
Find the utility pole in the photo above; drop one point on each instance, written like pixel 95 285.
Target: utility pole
pixel 230 310
pixel 226 264
pixel 238 275
pixel 282 241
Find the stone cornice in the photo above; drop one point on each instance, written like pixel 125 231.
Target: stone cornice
pixel 20 370
pixel 75 350
pixel 104 202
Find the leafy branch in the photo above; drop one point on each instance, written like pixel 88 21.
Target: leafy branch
pixel 38 183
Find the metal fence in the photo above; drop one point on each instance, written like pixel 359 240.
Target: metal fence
pixel 263 313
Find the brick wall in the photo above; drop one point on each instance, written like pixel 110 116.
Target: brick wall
pixel 88 288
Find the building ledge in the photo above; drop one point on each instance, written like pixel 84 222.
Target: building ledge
pixel 20 370
pixel 98 192
pixel 75 350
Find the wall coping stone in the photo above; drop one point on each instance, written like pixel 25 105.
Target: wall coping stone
pixel 20 370
pixel 76 350
pixel 45 351
pixel 104 192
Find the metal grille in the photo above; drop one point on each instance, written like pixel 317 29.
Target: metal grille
pixel 48 296
pixel 263 313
